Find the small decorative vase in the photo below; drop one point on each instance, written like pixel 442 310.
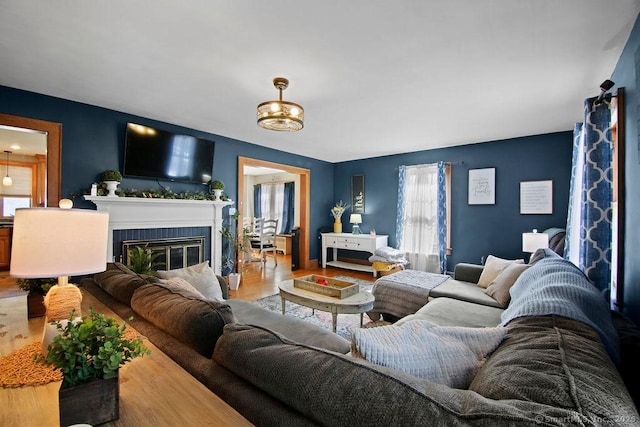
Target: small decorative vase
pixel 112 186
pixel 217 194
pixel 337 226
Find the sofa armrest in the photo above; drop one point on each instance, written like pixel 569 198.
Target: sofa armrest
pixel 224 287
pixel 468 272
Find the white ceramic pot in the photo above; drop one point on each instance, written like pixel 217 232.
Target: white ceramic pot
pixel 234 281
pixel 217 194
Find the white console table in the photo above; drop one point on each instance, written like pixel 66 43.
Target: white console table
pixel 354 242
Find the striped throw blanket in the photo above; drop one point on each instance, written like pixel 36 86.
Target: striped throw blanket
pixel 554 286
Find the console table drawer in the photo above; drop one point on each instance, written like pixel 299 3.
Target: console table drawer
pixel 348 245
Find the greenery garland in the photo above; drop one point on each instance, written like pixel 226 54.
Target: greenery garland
pixel 163 193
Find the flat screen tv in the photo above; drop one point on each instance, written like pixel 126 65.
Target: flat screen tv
pixel 157 154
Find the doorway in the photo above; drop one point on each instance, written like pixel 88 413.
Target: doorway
pixel 53 132
pixel 305 175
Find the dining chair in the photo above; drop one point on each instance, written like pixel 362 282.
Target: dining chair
pixel 265 240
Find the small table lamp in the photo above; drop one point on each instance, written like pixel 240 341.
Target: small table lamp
pixel 355 219
pixel 531 242
pixel 51 242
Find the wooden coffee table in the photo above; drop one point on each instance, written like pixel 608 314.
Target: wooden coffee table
pixel 154 390
pixel 355 304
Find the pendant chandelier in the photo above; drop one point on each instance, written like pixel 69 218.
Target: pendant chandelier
pixel 7 181
pixel 281 115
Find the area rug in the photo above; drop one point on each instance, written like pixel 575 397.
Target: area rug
pixel 346 322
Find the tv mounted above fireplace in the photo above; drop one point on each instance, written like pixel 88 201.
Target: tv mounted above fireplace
pixel 157 154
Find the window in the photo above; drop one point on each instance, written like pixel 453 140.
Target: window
pixel 10 204
pixel 424 215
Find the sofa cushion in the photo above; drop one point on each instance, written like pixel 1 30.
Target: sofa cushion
pixel 452 312
pixel 178 283
pixel 449 355
pixel 200 276
pixel 492 267
pixel 294 329
pixel 334 389
pixel 464 291
pixel 120 282
pixel 560 362
pixel 182 314
pixel 499 287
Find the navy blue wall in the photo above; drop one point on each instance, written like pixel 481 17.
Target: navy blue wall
pixel 477 230
pixel 626 75
pixel 93 141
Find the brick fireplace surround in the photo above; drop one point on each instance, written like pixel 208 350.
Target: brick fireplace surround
pixel 179 215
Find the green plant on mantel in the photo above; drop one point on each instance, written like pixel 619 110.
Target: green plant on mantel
pixel 111 175
pixel 37 286
pixel 142 260
pixel 217 185
pixel 91 349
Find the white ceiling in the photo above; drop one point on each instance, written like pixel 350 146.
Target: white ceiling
pixel 375 77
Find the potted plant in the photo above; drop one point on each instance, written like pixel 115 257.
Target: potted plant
pixel 89 352
pixel 111 178
pixel 235 246
pixel 217 187
pixel 37 289
pixel 143 260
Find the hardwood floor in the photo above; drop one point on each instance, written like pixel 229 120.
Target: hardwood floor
pixel 256 282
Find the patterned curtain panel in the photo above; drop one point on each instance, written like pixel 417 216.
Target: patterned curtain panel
pixel 418 227
pixel 442 216
pixel 589 234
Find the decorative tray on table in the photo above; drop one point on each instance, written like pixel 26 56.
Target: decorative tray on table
pixel 327 286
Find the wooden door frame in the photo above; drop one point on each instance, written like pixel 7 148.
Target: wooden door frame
pixel 305 191
pixel 54 150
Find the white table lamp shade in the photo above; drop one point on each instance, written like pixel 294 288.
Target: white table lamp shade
pixel 52 242
pixel 355 219
pixel 531 242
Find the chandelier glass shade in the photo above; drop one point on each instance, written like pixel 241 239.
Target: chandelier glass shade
pixel 7 181
pixel 280 115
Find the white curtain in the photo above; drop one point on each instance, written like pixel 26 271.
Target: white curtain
pixel 419 220
pixel 272 202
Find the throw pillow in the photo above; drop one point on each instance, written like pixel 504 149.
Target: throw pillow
pixel 178 283
pixel 498 289
pixel 493 267
pixel 449 355
pixel 201 277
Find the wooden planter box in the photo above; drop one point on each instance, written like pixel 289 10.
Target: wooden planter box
pixel 35 305
pixel 335 288
pixel 94 403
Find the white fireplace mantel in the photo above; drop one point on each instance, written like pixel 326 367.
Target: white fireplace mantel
pixel 127 213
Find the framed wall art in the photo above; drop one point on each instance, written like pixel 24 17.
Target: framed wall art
pixel 357 194
pixel 482 186
pixel 536 197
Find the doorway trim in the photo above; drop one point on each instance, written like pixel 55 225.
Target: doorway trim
pixel 54 150
pixel 305 190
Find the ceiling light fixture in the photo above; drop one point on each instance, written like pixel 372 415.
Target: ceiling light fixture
pixel 7 181
pixel 281 115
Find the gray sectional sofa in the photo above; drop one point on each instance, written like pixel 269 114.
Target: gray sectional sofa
pixel 550 369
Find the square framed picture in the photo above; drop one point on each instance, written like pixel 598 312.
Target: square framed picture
pixel 536 197
pixel 482 186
